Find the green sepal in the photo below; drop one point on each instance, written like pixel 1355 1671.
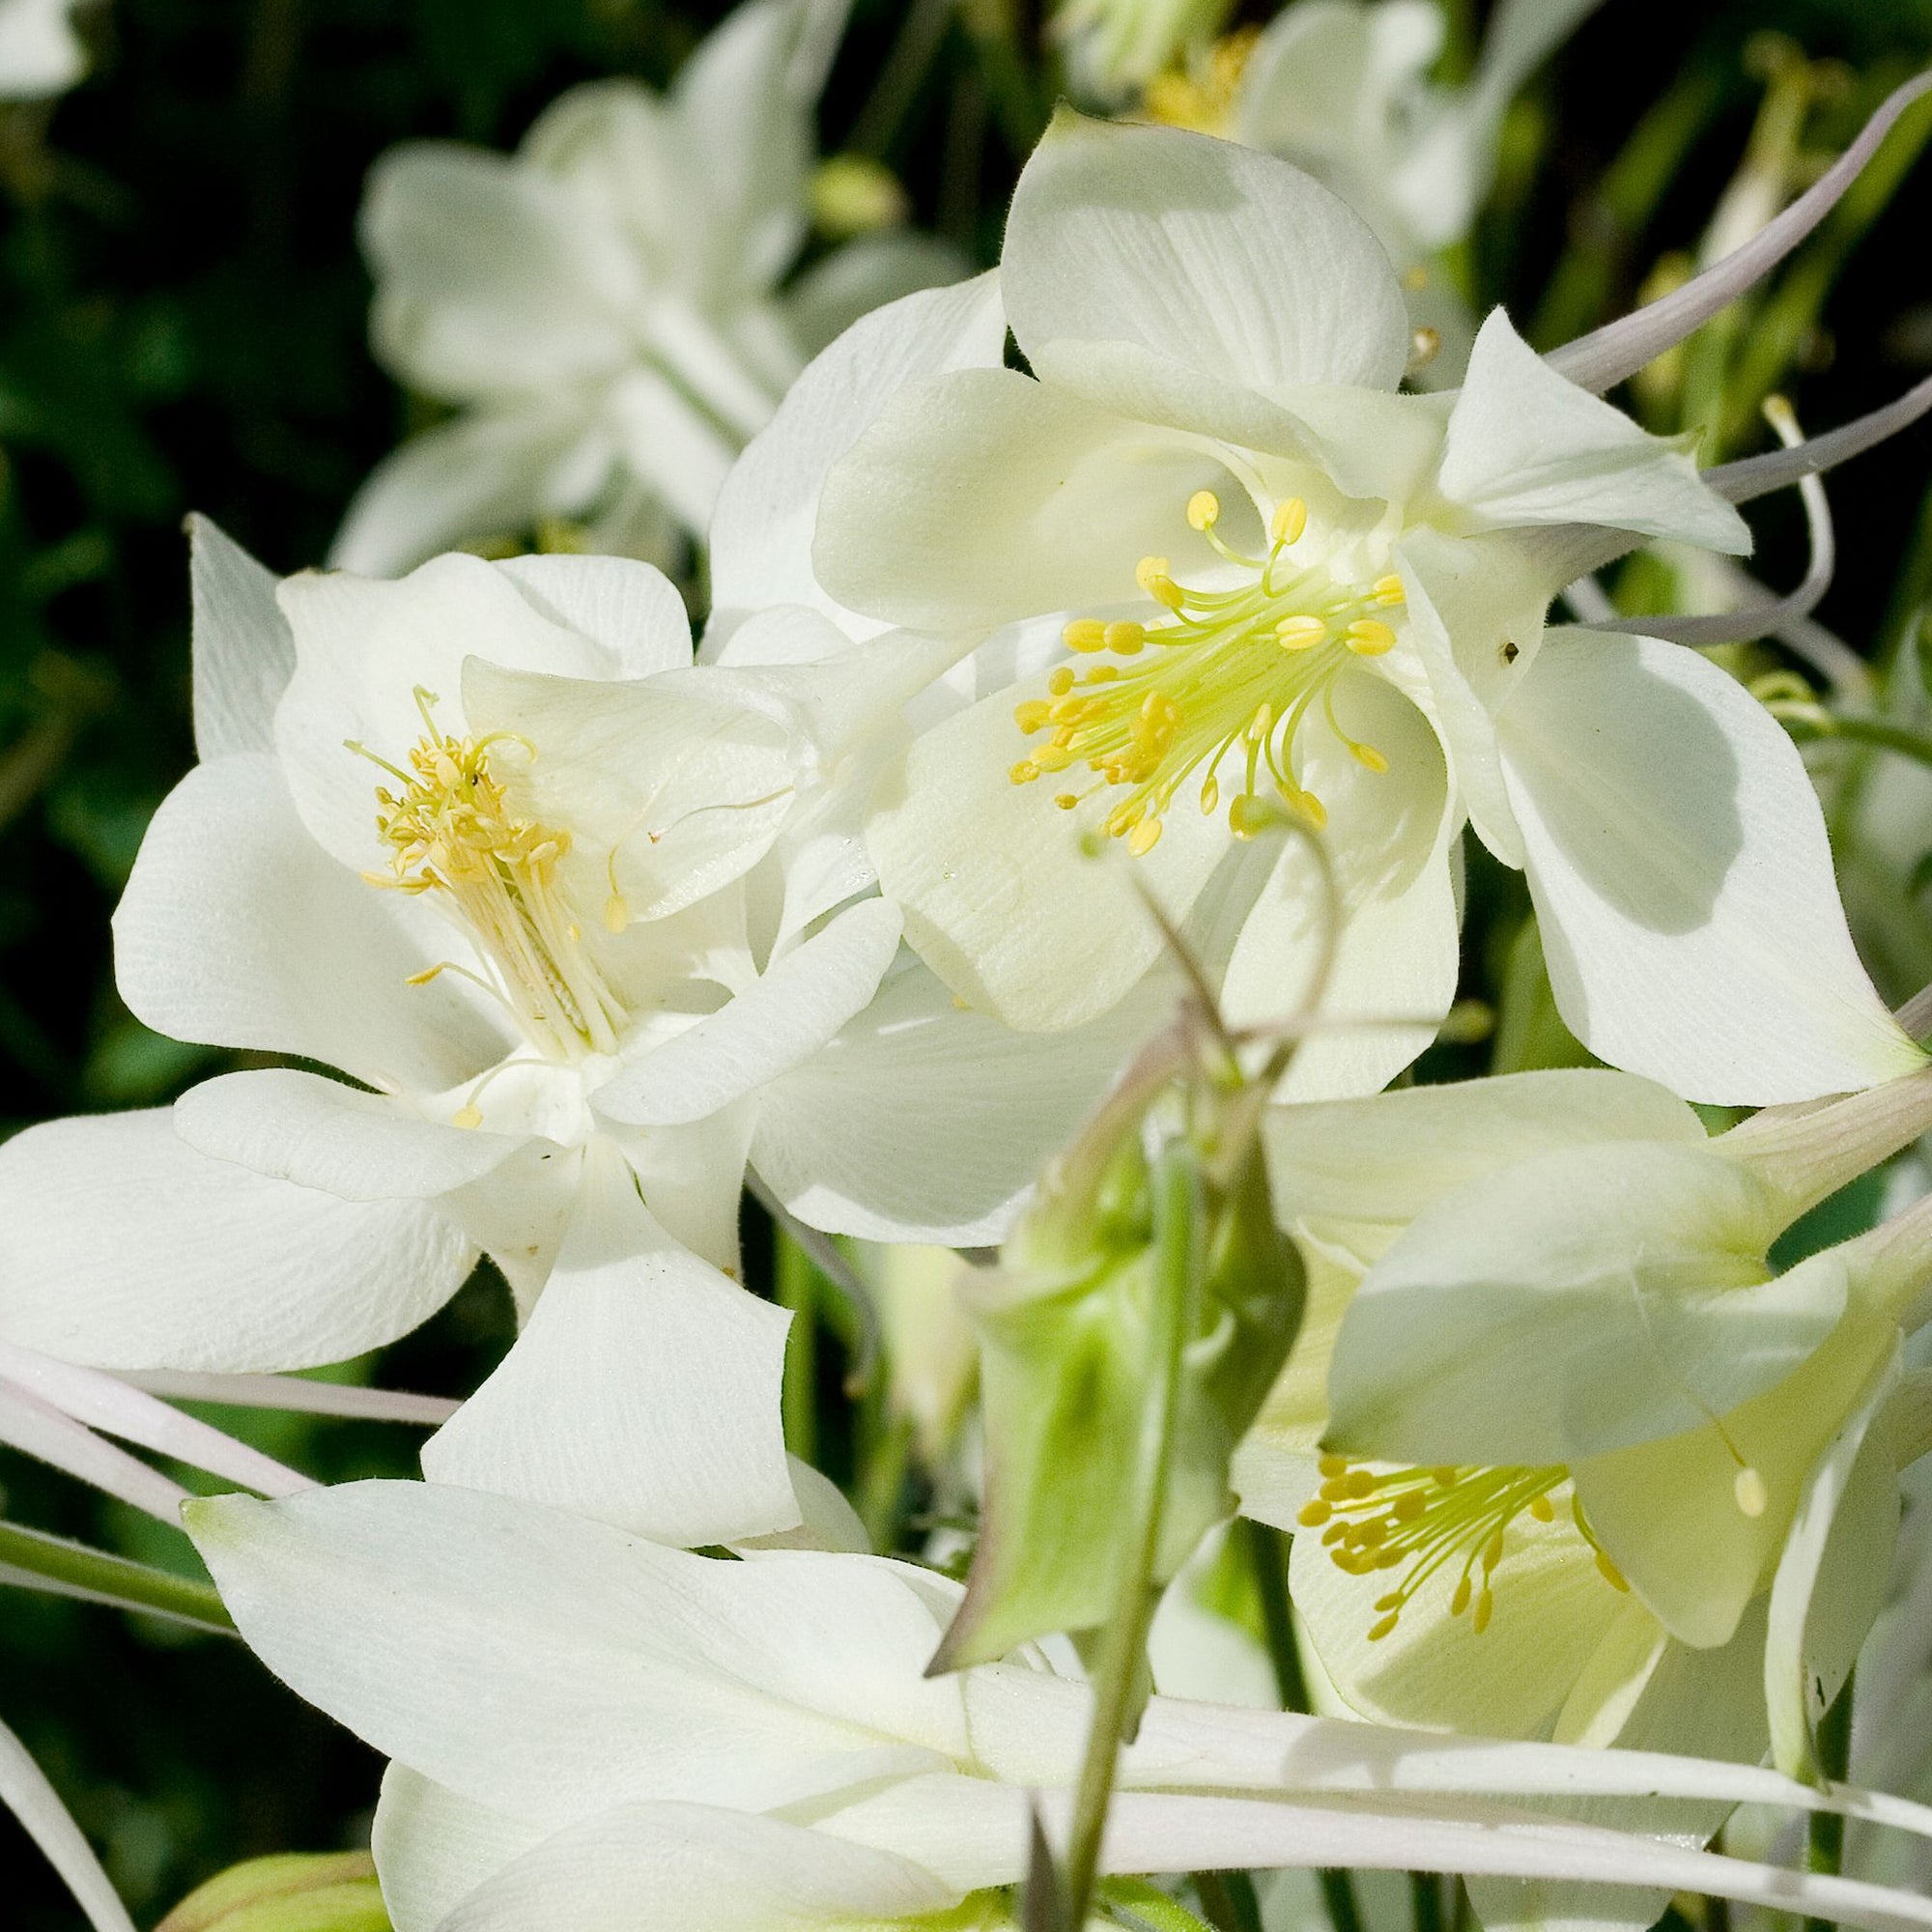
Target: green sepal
pixel 291 1891
pixel 1064 1325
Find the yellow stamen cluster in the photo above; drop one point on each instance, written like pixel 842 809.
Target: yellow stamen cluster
pixel 1229 670
pixel 450 831
pixel 1425 1520
pixel 1201 96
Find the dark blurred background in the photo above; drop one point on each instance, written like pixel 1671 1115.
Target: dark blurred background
pixel 181 326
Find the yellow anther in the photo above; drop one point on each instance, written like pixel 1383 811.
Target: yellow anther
pixel 1409 1507
pixel 1380 1629
pixel 1313 1515
pixel 1389 589
pixel 1144 838
pixel 1750 1490
pixel 1459 1601
pixel 428 973
pixel 1416 279
pixel 1611 1574
pixel 1290 519
pixel 1367 755
pixel 1085 634
pixel 616 913
pixel 1492 1551
pixel 1370 637
pixel 1261 723
pixel 1333 1466
pixel 1300 633
pixel 1124 639
pixel 1211 796
pixel 1061 682
pixel 1031 715
pixel 1065 800
pixel 1053 758
pixel 468 1115
pixel 1310 808
pixel 1105 674
pixel 1444 1477
pixel 1359 1483
pixel 1204 510
pixel 1024 772
pixel 1485 1609
pixel 1539 1509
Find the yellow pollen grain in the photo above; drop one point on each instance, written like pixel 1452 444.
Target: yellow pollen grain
pixel 616 913
pixel 1024 772
pixel 1290 519
pixel 1210 797
pixel 1061 682
pixel 1752 1498
pixel 1367 755
pixel 1204 510
pixel 1302 633
pixel 1124 639
pixel 1065 800
pixel 1333 1466
pixel 1031 715
pixel 467 1116
pixel 1379 1630
pixel 1314 1515
pixel 1459 1601
pixel 1389 589
pixel 1539 1509
pixel 1485 1609
pixel 1144 838
pixel 1151 575
pixel 1085 634
pixel 1370 637
pixel 1311 809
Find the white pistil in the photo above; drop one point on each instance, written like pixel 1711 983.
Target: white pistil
pixel 1238 668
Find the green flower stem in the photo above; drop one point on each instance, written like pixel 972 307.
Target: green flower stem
pixel 797 1290
pixel 1876 731
pixel 1176 1282
pixel 1267 1550
pixel 1826 1832
pixel 1229 1900
pixel 75 1569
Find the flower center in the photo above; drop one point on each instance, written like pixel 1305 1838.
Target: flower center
pixel 1238 670
pixel 450 831
pixel 1425 1520
pixel 1201 95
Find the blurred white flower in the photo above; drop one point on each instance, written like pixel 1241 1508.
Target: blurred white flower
pixel 604 309
pixel 1114 46
pixel 39 52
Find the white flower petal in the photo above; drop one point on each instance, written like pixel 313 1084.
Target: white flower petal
pixel 671 444
pixel 322 1134
pixel 244 651
pixel 999 900
pixel 1193 255
pixel 488 281
pixel 924 1123
pixel 1526 446
pixel 236 930
pixel 126 1249
pixel 1503 1327
pixel 775 1025
pixel 25 1792
pixel 762 534
pixel 701 1869
pixel 644 1392
pixel 978 498
pixel 868 273
pixel 633 610
pixel 1682 877
pixel 433 1848
pixel 618 1669
pixel 480 476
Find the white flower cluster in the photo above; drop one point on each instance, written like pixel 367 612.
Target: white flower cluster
pixel 1187 644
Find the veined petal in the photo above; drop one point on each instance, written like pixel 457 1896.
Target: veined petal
pixel 630 608
pixel 476 477
pixel 244 651
pixel 644 1391
pixel 981 496
pixel 618 1669
pixel 704 1869
pixel 774 1026
pixel 1195 253
pixel 1682 877
pixel 671 787
pixel 999 900
pixel 363 649
pixel 762 531
pixel 319 1133
pixel 434 1848
pixel 924 1123
pixel 126 1249
pixel 236 930
pixel 1385 1159
pixel 1525 445
pixel 1589 1298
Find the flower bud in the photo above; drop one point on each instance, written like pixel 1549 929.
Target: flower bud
pixel 292 1892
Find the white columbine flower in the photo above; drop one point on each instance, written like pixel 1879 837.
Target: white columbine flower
pixel 1264 580
pixel 582 928
pixel 1582 1441
pixel 604 308
pixel 587 1730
